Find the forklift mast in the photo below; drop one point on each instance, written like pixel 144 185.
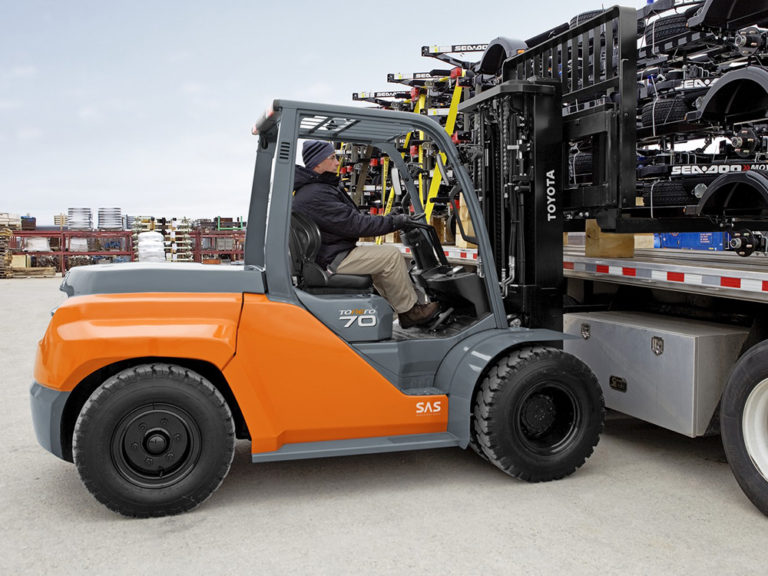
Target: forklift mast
pixel 577 87
pixel 517 167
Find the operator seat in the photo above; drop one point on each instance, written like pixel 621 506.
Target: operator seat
pixel 304 245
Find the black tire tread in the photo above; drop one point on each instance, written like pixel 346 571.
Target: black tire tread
pixel 117 383
pixel 750 369
pixel 665 28
pixel 485 398
pixel 667 193
pixel 664 111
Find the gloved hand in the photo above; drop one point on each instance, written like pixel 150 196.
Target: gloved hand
pixel 403 222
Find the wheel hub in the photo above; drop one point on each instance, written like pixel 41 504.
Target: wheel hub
pixel 154 443
pixel 539 414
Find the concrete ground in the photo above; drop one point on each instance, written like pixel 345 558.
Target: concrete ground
pixel 647 502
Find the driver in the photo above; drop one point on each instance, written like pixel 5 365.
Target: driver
pixel 320 196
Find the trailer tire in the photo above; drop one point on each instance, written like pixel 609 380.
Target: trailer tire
pixel 662 29
pixel 666 193
pixel 661 112
pixel 583 17
pixel 154 440
pixel 538 413
pixel 744 424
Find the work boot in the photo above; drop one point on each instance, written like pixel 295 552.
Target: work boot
pixel 419 314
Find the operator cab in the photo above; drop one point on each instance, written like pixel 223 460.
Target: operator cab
pixel 381 177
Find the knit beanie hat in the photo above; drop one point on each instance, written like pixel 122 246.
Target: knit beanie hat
pixel 314 152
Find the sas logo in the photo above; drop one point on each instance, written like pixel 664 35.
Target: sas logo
pixel 429 407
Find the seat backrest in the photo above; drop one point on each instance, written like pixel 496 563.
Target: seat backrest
pixel 304 244
pixel 304 241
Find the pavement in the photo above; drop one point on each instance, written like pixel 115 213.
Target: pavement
pixel 648 501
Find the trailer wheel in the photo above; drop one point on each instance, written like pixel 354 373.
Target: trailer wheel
pixel 154 440
pixel 744 424
pixel 663 111
pixel 665 28
pixel 538 413
pixel 666 193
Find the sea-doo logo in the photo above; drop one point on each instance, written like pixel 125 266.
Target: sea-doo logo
pixel 692 169
pixel 696 84
pixel 363 317
pixel 469 47
pixel 551 199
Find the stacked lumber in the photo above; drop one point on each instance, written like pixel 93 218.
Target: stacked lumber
pixel 12 221
pixel 5 253
pixel 47 272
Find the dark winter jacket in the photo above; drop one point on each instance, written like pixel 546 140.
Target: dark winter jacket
pixel 320 197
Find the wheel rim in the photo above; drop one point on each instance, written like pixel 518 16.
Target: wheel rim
pixel 156 446
pixel 548 418
pixel 754 424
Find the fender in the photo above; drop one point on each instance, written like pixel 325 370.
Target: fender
pixel 740 95
pixel 497 52
pixel 461 369
pixel 745 192
pixel 90 332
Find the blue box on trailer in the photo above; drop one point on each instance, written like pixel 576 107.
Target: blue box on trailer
pixel 693 240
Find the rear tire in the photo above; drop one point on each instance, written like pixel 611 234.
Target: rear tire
pixel 538 414
pixel 744 424
pixel 154 440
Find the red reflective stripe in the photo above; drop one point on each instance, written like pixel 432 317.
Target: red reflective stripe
pixel 602 268
pixel 629 271
pixel 765 285
pixel 568 265
pixel 462 254
pixel 676 276
pixel 730 282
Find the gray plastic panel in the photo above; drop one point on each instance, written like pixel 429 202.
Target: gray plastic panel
pixel 413 363
pixel 47 408
pixel 159 277
pixel 304 450
pixel 354 317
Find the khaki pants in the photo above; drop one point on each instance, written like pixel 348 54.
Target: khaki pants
pixel 390 274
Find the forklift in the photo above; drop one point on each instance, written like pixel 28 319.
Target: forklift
pixel 148 373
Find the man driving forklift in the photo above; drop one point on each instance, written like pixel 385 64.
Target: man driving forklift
pixel 320 196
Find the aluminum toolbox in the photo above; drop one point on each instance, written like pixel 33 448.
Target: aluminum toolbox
pixel 667 371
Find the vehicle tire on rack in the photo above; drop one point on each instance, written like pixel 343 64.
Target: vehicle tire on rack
pixel 580 167
pixel 663 29
pixel 589 14
pixel 666 193
pixel 538 413
pixel 583 17
pixel 664 111
pixel 154 440
pixel 744 424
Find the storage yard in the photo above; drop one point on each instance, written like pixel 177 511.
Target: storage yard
pixel 583 223
pixel 649 501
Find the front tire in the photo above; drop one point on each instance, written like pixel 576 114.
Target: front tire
pixel 538 413
pixel 154 440
pixel 744 424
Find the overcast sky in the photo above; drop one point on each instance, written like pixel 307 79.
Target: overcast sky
pixel 148 105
